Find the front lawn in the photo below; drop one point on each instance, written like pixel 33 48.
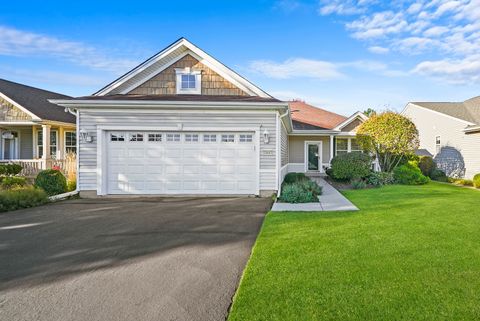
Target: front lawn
pixel 410 253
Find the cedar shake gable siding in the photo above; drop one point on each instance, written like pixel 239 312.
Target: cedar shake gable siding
pixel 164 83
pixel 9 112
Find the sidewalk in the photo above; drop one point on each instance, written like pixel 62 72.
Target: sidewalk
pixel 330 200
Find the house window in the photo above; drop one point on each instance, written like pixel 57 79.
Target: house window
pixel 173 137
pixel 438 144
pixel 342 146
pixel 191 137
pixel 70 142
pixel 209 138
pixel 154 137
pixel 228 138
pixel 136 137
pixel 188 81
pixel 354 147
pixel 117 137
pixel 246 138
pixel 53 143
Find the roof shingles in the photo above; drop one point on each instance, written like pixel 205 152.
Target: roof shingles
pixel 469 110
pixel 313 117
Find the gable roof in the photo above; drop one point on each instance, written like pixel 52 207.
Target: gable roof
pixel 469 110
pixel 168 56
pixel 35 101
pixel 206 98
pixel 314 117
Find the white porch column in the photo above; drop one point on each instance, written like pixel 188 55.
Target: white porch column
pixel 331 147
pixel 61 143
pixel 46 145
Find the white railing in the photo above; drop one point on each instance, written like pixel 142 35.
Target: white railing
pixel 30 167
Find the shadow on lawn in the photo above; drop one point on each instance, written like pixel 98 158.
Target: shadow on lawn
pixel 50 242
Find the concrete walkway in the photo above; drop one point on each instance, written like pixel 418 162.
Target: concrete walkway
pixel 330 200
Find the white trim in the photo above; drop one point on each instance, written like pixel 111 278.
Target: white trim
pixel 319 143
pixel 140 128
pixel 179 72
pixel 14 142
pixel 202 56
pixel 278 150
pixel 184 111
pixel 65 140
pixel 18 123
pixel 472 129
pixel 435 112
pixel 25 110
pixel 357 115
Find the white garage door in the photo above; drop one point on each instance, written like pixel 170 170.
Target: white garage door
pixel 181 163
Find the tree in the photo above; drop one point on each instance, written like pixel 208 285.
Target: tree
pixel 370 112
pixel 391 136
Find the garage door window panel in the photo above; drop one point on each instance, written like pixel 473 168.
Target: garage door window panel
pixel 209 138
pixel 173 137
pixel 190 138
pixel 228 138
pixel 117 137
pixel 136 137
pixel 154 137
pixel 246 138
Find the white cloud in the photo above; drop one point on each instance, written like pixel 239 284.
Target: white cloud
pixel 14 42
pixel 435 31
pixel 460 71
pixel 378 50
pixel 378 25
pixel 296 67
pixel 342 7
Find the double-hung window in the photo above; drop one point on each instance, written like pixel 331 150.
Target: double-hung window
pixel 53 143
pixel 70 142
pixel 342 146
pixel 438 144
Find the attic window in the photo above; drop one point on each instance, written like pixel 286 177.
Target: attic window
pixel 188 81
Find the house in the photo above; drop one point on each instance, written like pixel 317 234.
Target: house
pixel 183 123
pixel 26 117
pixel 450 133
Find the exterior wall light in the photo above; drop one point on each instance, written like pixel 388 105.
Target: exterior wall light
pixel 85 137
pixel 266 136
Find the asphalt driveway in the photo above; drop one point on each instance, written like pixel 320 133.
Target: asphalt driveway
pixel 126 259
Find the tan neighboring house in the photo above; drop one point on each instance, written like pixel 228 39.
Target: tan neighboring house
pixel 450 133
pixel 26 117
pixel 184 123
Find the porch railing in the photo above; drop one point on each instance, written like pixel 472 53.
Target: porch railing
pixel 31 167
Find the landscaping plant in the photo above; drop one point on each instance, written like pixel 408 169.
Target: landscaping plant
pixel 409 174
pixel 378 179
pixel 10 182
pixel 476 181
pixel 391 136
pixel 439 175
pixel 351 166
pixel 51 181
pixel 298 188
pixel 358 184
pixel 10 169
pixel 22 198
pixel 427 165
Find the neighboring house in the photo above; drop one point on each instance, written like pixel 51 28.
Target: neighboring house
pixel 26 117
pixel 450 133
pixel 184 123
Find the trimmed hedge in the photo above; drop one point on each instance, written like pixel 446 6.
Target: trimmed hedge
pixel 51 181
pixel 10 182
pixel 409 174
pixel 476 181
pixel 10 169
pixel 22 198
pixel 350 166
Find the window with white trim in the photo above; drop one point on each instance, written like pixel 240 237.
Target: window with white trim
pixel 173 137
pixel 53 143
pixel 341 146
pixel 438 144
pixel 154 137
pixel 209 138
pixel 70 142
pixel 188 81
pixel 136 137
pixel 245 138
pixel 117 137
pixel 191 138
pixel 354 146
pixel 228 138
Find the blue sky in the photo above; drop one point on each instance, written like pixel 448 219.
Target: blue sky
pixel 340 55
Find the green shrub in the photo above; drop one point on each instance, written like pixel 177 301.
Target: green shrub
pixel 294 177
pixel 460 181
pixel 71 185
pixel 427 165
pixel 409 174
pixel 476 181
pixel 9 182
pixel 358 184
pixel 22 198
pixel 438 175
pixel 350 166
pixel 311 186
pixel 378 179
pixel 296 193
pixel 10 169
pixel 51 181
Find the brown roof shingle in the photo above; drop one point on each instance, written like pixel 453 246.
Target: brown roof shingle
pixel 313 116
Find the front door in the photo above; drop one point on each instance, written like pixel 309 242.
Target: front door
pixel 9 148
pixel 313 157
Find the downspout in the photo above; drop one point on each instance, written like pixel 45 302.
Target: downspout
pixel 279 187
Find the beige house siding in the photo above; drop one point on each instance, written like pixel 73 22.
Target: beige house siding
pixel 164 83
pixel 456 146
pixel 89 120
pixel 352 126
pixel 9 112
pixel 297 148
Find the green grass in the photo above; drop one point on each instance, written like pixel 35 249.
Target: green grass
pixel 410 253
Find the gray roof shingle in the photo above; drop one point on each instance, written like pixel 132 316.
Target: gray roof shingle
pixel 469 110
pixel 36 101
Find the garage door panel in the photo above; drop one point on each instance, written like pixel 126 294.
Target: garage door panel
pixel 162 167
